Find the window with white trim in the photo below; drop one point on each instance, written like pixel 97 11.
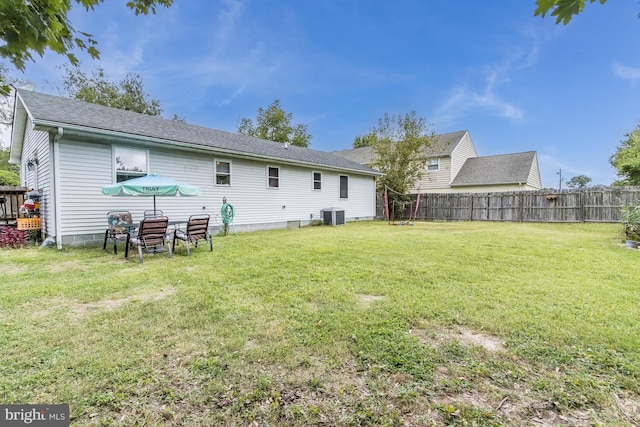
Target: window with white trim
pixel 130 163
pixel 222 171
pixel 433 164
pixel 273 177
pixel 344 187
pixel 317 180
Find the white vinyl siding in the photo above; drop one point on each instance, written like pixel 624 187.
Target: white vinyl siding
pixel 86 167
pixel 36 145
pixel 463 151
pixel 534 182
pixel 436 181
pixel 439 181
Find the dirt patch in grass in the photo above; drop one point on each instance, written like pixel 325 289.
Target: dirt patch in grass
pixel 112 304
pixel 75 309
pixel 464 336
pixel 367 300
pixel 66 267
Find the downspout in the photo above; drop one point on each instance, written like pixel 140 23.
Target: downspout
pixel 56 185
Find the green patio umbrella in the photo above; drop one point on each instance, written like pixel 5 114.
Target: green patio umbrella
pixel 150 185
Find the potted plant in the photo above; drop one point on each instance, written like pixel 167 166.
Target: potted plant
pixel 631 224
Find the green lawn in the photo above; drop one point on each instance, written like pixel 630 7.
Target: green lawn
pixel 364 324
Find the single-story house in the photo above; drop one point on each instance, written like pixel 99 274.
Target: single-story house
pixel 453 165
pixel 68 150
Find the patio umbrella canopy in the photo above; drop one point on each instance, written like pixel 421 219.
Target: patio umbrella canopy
pixel 150 185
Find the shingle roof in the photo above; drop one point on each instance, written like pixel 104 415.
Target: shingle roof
pixel 52 110
pixel 444 146
pixel 501 169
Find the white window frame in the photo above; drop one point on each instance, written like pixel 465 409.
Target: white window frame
pixel 276 187
pixel 340 186
pixel 115 148
pixel 433 162
pixel 216 173
pixel 314 181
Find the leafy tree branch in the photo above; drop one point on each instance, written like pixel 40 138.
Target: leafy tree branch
pixel 30 27
pixel 563 10
pixel 275 124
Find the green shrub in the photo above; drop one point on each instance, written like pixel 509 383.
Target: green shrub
pixel 9 178
pixel 631 221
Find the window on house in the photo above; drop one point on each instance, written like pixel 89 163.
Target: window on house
pixel 273 177
pixel 222 172
pixel 130 163
pixel 433 164
pixel 317 180
pixel 344 187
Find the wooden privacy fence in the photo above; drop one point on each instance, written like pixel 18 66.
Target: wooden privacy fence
pixel 590 205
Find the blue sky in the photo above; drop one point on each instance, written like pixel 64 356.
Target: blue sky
pixel 516 82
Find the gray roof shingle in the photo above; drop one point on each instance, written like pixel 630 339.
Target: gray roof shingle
pixel 52 110
pixel 502 169
pixel 444 146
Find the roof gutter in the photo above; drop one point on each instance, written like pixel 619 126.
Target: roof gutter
pixel 46 125
pixel 520 183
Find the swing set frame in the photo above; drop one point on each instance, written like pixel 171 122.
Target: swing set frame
pixel 390 213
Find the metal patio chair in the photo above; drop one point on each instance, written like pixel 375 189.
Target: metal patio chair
pixel 150 237
pixel 197 229
pixel 120 224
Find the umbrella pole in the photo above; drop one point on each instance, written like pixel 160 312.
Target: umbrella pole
pixel 154 206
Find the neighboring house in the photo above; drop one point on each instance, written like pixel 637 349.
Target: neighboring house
pixel 505 172
pixel 453 165
pixel 75 148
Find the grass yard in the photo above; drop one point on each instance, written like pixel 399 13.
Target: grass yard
pixel 365 324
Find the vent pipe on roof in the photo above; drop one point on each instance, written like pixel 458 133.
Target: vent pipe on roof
pixel 286 145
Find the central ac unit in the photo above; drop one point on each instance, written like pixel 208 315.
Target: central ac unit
pixel 332 216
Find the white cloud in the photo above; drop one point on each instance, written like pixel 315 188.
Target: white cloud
pixel 462 99
pixel 469 95
pixel 231 59
pixel 625 72
pixel 227 19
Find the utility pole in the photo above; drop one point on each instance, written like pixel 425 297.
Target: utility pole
pixel 560 186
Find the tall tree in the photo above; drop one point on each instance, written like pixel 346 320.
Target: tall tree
pixel 626 160
pixel 579 182
pixel 8 173
pixel 35 26
pixel 563 10
pixel 366 140
pixel 4 161
pixel 274 124
pixel 400 147
pixel 127 94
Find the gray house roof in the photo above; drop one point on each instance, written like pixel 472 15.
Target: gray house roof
pixel 502 169
pixel 444 146
pixel 50 112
